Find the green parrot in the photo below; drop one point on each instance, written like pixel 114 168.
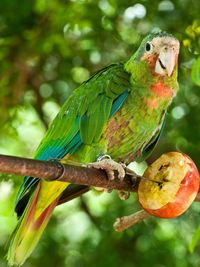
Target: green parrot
pixel 118 112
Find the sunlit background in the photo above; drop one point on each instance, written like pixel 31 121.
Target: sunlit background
pixel 47 48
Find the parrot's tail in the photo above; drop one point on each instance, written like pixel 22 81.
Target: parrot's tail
pixel 29 230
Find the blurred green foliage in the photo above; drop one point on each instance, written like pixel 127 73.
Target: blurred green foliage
pixel 47 48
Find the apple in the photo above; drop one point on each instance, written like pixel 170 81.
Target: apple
pixel 170 185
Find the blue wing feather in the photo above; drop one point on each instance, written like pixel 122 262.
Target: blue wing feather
pixel 118 103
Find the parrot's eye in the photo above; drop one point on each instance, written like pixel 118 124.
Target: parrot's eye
pixel 148 46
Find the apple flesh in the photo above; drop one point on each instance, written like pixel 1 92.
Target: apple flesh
pixel 170 186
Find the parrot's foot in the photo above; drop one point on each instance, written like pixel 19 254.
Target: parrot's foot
pixel 110 166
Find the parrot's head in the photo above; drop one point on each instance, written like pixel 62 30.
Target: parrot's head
pixel 159 51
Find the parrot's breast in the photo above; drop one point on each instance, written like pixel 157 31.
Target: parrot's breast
pixel 131 128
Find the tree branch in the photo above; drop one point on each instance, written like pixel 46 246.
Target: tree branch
pixel 125 222
pixel 54 170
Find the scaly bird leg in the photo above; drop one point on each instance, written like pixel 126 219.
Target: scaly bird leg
pixel 110 166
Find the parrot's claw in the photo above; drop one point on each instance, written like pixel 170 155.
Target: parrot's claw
pixel 123 195
pixel 110 166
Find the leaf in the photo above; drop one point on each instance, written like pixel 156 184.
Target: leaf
pixel 196 72
pixel 195 239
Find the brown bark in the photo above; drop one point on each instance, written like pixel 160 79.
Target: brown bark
pixel 54 170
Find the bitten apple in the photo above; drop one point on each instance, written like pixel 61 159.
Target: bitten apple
pixel 170 187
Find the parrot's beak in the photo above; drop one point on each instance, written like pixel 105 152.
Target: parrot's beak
pixel 166 61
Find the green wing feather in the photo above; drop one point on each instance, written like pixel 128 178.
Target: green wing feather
pixel 81 120
pixel 87 109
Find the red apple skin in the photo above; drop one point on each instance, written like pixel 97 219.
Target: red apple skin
pixel 186 194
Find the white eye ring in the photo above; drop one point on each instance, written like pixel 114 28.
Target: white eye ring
pixel 148 47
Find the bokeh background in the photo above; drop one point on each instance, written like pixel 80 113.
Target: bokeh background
pixel 47 48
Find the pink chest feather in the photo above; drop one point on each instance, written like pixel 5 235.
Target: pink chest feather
pixel 161 90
